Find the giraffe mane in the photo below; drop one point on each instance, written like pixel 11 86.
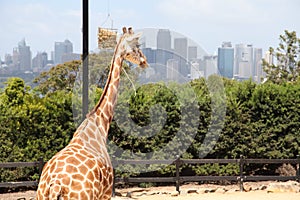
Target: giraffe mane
pixel 107 81
pixel 131 44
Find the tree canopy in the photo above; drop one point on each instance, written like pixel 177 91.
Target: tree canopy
pixel 287 55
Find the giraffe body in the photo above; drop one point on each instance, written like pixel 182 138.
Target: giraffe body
pixel 83 170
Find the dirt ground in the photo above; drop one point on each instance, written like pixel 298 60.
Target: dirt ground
pixel 214 196
pixel 256 191
pixel 259 195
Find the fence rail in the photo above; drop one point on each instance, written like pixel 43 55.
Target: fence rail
pixel 177 179
pixel 40 163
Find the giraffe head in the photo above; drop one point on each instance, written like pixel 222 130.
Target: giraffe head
pixel 129 43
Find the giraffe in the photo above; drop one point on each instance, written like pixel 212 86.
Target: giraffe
pixel 83 170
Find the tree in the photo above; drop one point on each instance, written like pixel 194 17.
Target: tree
pixel 64 76
pixel 60 77
pixel 15 91
pixel 287 55
pixel 32 126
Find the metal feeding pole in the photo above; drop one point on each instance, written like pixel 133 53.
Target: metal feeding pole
pixel 85 58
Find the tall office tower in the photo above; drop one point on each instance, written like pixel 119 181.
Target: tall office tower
pixel 173 69
pixel 210 65
pixel 244 61
pixel 39 61
pixel 196 70
pixel 192 53
pixel 269 58
pixel 258 71
pixel 164 39
pixel 24 56
pixel 164 52
pixel 180 47
pixel 226 60
pixel 180 54
pixel 60 49
pixel 150 55
pixel 15 60
pixel 151 59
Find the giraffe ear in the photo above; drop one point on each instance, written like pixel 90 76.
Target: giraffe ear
pixel 133 40
pixel 134 36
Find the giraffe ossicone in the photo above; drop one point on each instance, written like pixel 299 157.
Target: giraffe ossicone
pixel 83 170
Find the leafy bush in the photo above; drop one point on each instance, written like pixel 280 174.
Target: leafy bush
pixel 261 121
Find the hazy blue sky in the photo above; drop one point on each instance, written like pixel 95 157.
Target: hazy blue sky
pixel 208 22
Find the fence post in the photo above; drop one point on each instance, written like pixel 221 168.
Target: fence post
pixel 241 180
pixel 114 176
pixel 114 183
pixel 41 165
pixel 298 168
pixel 177 164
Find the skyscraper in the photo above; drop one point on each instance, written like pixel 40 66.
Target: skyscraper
pixel 39 61
pixel 244 61
pixel 180 54
pixel 196 70
pixel 180 47
pixel 257 70
pixel 60 49
pixel 210 65
pixel 268 58
pixel 192 53
pixel 164 39
pixel 173 69
pixel 164 52
pixel 150 55
pixel 24 56
pixel 15 59
pixel 226 60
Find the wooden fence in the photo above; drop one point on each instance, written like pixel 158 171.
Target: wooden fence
pixel 177 179
pixel 39 164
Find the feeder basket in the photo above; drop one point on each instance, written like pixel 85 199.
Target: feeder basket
pixel 107 38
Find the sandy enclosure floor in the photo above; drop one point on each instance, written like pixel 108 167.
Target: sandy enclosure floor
pixel 232 193
pixel 258 195
pixel 188 192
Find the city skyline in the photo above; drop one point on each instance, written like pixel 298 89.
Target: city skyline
pixel 175 58
pixel 21 59
pixel 207 22
pixel 172 50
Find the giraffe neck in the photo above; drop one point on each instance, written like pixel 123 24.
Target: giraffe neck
pixel 102 113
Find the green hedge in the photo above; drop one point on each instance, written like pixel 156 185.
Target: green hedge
pixel 261 121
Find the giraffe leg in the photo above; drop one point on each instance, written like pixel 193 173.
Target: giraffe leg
pixel 55 191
